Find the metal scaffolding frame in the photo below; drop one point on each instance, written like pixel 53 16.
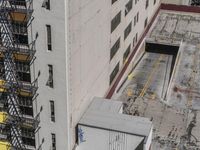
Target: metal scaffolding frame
pixel 11 50
pixel 195 2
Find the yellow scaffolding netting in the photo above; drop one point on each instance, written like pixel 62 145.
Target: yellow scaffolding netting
pixel 3 117
pixel 2 86
pixel 21 91
pixel 5 145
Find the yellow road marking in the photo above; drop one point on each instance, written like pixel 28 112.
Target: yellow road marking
pixel 147 84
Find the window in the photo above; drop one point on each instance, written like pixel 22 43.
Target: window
pixel 49 43
pixel 46 4
pixel 115 21
pixel 137 16
pixel 21 39
pixel 133 41
pixel 114 73
pixel 145 22
pixel 19 27
pixel 52 108
pixel 128 7
pixel 147 4
pixel 50 79
pixel 135 20
pixel 115 48
pixel 126 54
pixel 113 1
pixel 135 1
pixel 28 136
pixel 26 106
pixel 127 30
pixel 53 138
pixel 154 2
pixel 136 37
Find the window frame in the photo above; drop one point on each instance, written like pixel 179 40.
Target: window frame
pixel 114 73
pixel 115 48
pixel 49 37
pixel 115 21
pixel 126 53
pixel 53 141
pixel 52 110
pixel 128 30
pixel 128 7
pixel 50 81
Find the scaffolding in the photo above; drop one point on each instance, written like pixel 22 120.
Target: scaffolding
pixel 195 2
pixel 15 18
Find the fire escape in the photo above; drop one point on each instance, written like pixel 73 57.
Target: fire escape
pixel 195 2
pixel 15 18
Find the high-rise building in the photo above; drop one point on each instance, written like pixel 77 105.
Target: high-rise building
pixel 81 47
pixel 18 123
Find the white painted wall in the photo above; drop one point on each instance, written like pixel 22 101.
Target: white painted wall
pixel 90 42
pixel 99 139
pixel 148 143
pixel 140 29
pixel 56 18
pixel 81 41
pixel 177 2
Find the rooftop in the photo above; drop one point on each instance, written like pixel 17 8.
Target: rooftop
pixel 101 105
pixel 134 125
pixel 164 86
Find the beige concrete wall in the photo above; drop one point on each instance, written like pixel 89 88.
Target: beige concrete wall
pixel 81 40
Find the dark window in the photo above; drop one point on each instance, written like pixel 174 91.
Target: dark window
pixel 147 4
pixel 135 20
pixel 53 138
pixel 28 136
pixel 136 37
pixel 115 21
pixel 154 2
pixel 113 1
pixel 23 71
pixel 26 110
pixel 133 41
pixel 26 77
pixel 137 16
pixel 52 107
pixel 128 7
pixel 50 79
pixel 19 27
pixel 114 73
pixel 135 1
pixel 46 4
pixel 21 39
pixel 25 101
pixel 22 66
pixel 19 2
pixel 145 22
pixel 26 105
pixel 115 48
pixel 49 42
pixel 126 54
pixel 127 30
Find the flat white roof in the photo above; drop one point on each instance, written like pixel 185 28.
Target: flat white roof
pixel 106 120
pixel 101 104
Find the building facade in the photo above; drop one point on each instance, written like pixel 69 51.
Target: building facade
pixel 81 47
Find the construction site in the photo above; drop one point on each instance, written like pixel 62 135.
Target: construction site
pixel 18 123
pixel 164 84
